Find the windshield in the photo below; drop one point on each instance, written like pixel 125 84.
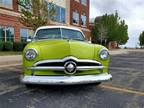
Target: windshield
pixel 59 33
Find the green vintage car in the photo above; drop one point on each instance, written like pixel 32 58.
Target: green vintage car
pixel 60 55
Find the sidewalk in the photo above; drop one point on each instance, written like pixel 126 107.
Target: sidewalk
pixel 10 60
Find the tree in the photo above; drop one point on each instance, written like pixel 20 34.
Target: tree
pixel 110 28
pixel 141 39
pixel 35 13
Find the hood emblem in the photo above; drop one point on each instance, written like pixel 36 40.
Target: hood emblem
pixel 70 67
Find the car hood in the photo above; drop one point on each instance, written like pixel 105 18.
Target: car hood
pixel 57 49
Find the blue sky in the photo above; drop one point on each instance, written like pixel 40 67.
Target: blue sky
pixel 132 11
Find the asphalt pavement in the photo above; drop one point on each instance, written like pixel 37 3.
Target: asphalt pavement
pixel 126 90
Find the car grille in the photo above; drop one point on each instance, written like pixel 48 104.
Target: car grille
pixel 61 63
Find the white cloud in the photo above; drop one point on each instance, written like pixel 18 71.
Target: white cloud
pixel 131 11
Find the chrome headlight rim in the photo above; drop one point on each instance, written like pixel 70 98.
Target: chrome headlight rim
pixel 34 51
pixel 104 50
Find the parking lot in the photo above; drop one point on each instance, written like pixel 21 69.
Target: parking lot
pixel 126 90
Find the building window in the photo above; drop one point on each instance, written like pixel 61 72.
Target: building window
pixel 60 14
pixel 29 6
pixel 25 34
pixel 6 33
pixel 75 17
pixel 84 2
pixel 77 0
pixel 9 34
pixel 6 3
pixel 2 33
pixel 83 20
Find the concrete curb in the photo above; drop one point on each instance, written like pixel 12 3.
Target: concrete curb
pixel 10 60
pixel 9 65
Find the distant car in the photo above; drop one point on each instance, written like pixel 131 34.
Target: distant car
pixel 60 55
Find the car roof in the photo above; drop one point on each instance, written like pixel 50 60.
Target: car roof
pixel 52 26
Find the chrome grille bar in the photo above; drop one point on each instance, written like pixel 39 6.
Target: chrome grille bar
pixel 80 68
pixel 66 59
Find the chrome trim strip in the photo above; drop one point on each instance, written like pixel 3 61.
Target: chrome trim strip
pixel 47 68
pixel 65 59
pixel 58 68
pixel 90 67
pixel 65 80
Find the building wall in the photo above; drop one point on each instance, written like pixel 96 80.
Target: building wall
pixel 10 16
pixel 76 5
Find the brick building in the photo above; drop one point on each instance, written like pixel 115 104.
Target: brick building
pixel 68 13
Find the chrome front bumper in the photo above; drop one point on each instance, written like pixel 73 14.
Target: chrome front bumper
pixel 65 80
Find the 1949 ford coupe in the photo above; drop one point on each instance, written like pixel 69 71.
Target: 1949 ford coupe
pixel 60 55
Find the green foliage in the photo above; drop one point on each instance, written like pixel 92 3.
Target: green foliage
pixel 8 46
pixel 1 45
pixel 110 28
pixel 35 13
pixel 24 44
pixel 18 46
pixel 141 39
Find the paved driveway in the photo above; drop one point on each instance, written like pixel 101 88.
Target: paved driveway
pixel 126 90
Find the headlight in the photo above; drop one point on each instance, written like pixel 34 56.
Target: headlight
pixel 104 54
pixel 31 54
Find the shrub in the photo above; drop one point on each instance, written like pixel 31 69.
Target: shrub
pixel 1 46
pixel 24 44
pixel 17 46
pixel 8 46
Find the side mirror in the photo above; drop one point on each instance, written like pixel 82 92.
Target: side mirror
pixel 89 42
pixel 29 39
